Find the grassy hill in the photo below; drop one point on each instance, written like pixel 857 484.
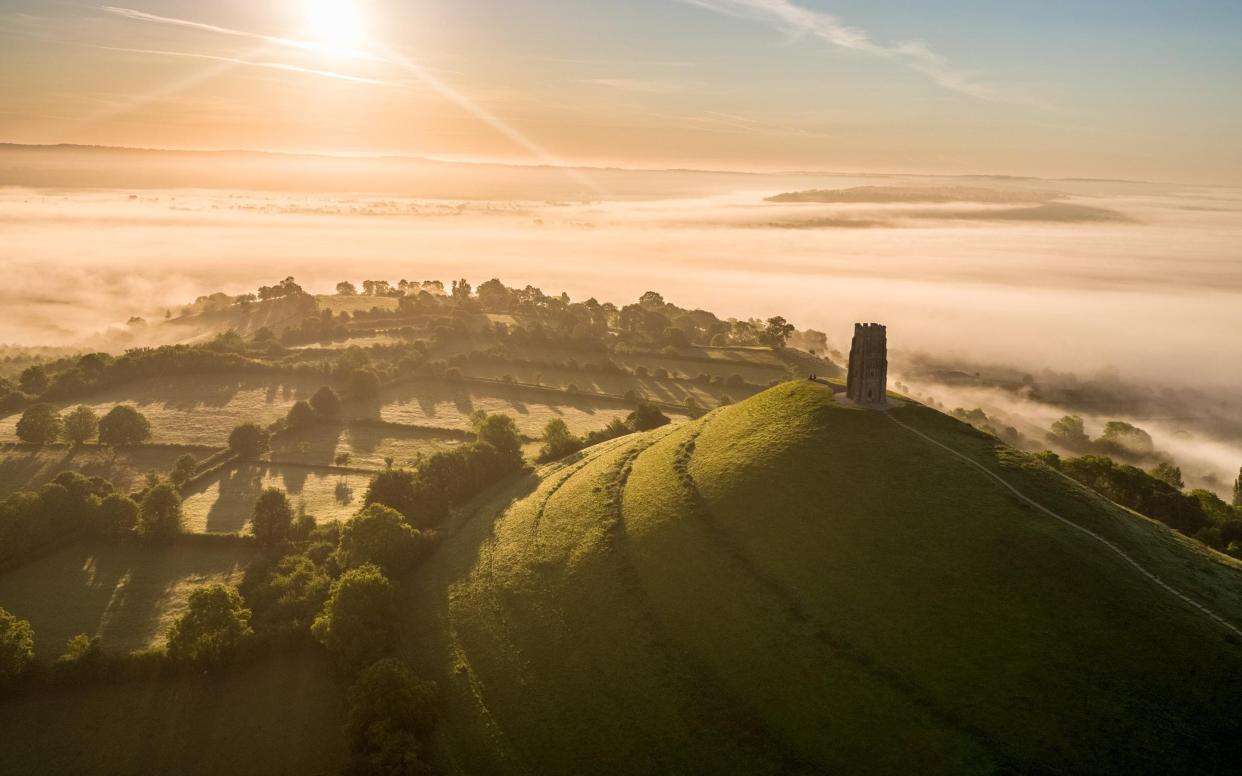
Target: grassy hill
pixel 791 585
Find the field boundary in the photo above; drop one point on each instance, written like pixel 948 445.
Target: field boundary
pixel 1088 532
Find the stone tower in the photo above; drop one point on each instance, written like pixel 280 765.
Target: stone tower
pixel 867 381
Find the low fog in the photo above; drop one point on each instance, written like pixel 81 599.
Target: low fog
pixel 1137 283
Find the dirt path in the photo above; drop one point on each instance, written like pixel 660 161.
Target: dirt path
pixel 1110 545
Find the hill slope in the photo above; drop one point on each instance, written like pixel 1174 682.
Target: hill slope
pixel 791 585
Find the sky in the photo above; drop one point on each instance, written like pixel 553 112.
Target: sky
pixel 1132 89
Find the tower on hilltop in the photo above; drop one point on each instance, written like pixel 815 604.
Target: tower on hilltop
pixel 867 382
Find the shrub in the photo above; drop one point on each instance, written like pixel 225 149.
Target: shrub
pixel 249 441
pixel 159 514
pixel 357 621
pixel 16 646
pixel 213 626
pixel 124 425
pixel 558 442
pixel 81 425
pixel 271 518
pixel 183 470
pixel 390 711
pixel 40 424
pixel 380 536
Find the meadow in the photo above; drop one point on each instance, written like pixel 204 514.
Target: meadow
pixel 196 409
pixel 126 594
pixel 26 468
pixel 224 502
pixel 366 445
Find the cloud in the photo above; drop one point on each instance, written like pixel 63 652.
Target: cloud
pixel 917 55
pixel 281 66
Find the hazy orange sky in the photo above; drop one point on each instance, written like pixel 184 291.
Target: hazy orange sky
pixel 1115 88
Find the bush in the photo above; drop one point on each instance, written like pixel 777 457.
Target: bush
pixel 159 514
pixel 249 441
pixel 16 647
pixel 271 518
pixel 501 432
pixel 81 425
pixel 183 470
pixel 40 424
pixel 357 623
pixel 558 442
pixel 124 425
pixel 378 535
pixel 390 712
pixel 212 628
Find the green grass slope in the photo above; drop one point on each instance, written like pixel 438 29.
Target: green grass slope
pixel 791 585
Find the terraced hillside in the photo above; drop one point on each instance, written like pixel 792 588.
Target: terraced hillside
pixel 792 585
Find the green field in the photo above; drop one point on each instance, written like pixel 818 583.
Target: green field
pixel 449 405
pixel 196 409
pixel 668 391
pixel 127 595
pixel 793 586
pixel 222 504
pixel 284 715
pixel 26 468
pixel 367 446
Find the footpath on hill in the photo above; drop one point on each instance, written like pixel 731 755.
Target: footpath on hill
pixel 1110 545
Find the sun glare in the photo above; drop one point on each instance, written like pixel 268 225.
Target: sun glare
pixel 335 23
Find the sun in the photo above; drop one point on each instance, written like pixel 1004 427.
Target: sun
pixel 337 24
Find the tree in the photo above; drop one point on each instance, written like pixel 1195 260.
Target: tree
pixel 378 535
pixel 1123 438
pixel 215 623
pixel 1237 490
pixel 16 646
pixel 159 514
pixel 357 621
pixel 124 425
pixel 645 417
pixel 395 488
pixel 249 441
pixel 301 415
pixel 1070 433
pixel 34 380
pixel 345 288
pixel 40 425
pixel 390 710
pixel 651 299
pixel 272 517
pixel 558 442
pixel 183 469
pixel 501 433
pixel 363 384
pixel 777 332
pixel 81 425
pixel 1169 473
pixel 117 514
pixel 326 403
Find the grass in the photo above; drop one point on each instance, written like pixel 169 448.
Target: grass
pixel 669 391
pixel 127 595
pixel 283 715
pixel 197 409
pixel 791 585
pixel 353 304
pixel 449 405
pixel 26 468
pixel 223 504
pixel 367 446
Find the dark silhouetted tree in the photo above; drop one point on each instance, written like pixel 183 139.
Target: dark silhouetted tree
pixel 215 623
pixel 301 415
pixel 249 441
pixel 81 425
pixel 124 425
pixel 645 417
pixel 357 623
pixel 183 469
pixel 40 424
pixel 390 712
pixel 326 403
pixel 272 517
pixel 159 514
pixel 34 380
pixel 378 535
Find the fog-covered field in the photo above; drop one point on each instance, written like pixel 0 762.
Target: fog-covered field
pixel 1133 282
